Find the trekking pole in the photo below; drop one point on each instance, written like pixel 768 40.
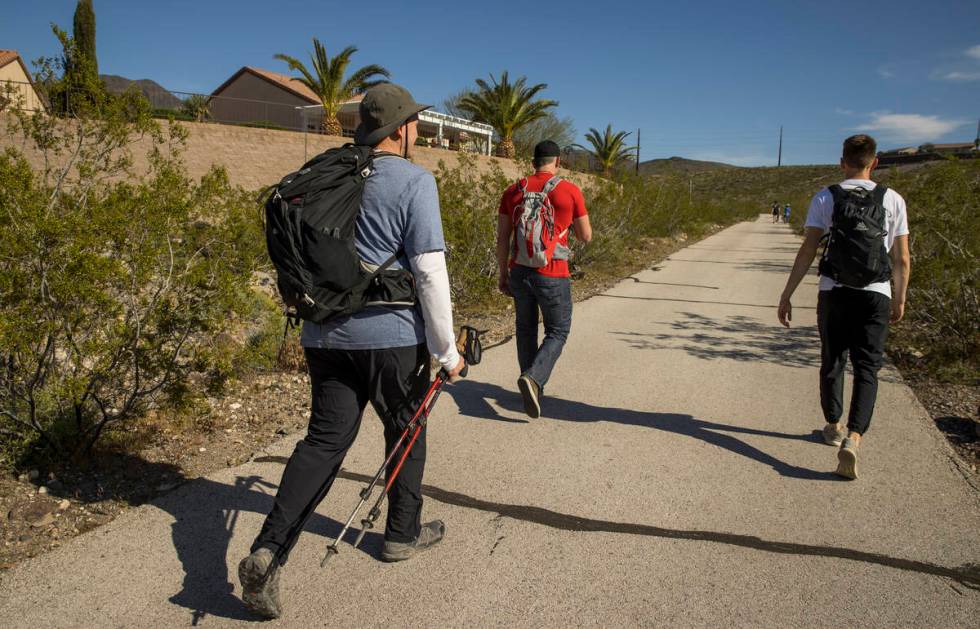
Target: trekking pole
pixel 368 522
pixel 365 493
pixel 470 345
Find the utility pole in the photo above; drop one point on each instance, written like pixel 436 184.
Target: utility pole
pixel 779 160
pixel 976 142
pixel 638 149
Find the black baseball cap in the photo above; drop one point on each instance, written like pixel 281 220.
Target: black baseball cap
pixel 546 149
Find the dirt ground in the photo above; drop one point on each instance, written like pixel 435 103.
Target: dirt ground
pixel 40 509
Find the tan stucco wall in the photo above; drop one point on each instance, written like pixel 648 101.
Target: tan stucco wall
pixel 255 158
pixel 15 73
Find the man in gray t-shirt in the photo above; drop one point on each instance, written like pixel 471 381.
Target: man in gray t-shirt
pixel 380 355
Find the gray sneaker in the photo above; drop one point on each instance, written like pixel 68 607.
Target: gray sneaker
pixel 261 594
pixel 847 459
pixel 531 393
pixel 833 434
pixel 430 535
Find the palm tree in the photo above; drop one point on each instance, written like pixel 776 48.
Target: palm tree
pixel 608 148
pixel 328 83
pixel 198 106
pixel 506 107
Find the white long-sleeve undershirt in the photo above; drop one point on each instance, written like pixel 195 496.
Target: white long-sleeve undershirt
pixel 432 290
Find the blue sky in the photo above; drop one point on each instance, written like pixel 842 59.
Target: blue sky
pixel 704 80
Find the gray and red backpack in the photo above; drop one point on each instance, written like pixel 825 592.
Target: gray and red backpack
pixel 536 239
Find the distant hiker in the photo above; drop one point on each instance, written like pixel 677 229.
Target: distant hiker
pixel 867 227
pixel 786 211
pixel 775 211
pixel 380 354
pixel 535 216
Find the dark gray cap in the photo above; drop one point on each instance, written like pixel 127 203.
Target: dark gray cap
pixel 545 149
pixel 384 108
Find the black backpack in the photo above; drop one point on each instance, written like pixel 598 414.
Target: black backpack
pixel 310 221
pixel 855 254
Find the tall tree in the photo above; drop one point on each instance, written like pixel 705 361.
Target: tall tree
pixel 561 131
pixel 506 106
pixel 328 82
pixel 84 35
pixel 608 148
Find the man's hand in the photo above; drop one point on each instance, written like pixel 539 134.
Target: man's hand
pixel 898 311
pixel 454 374
pixel 503 284
pixel 785 311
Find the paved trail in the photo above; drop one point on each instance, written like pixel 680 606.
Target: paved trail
pixel 676 479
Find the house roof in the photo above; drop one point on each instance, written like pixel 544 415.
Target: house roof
pixel 9 56
pixel 958 145
pixel 6 56
pixel 288 83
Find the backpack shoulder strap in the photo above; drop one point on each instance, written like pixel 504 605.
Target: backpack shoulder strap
pixel 879 194
pixel 551 185
pixel 522 184
pixel 836 191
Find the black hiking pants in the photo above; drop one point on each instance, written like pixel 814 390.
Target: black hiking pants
pixel 851 322
pixel 394 381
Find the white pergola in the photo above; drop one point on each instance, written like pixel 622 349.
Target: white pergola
pixel 444 123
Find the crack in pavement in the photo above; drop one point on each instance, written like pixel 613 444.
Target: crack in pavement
pixel 967 575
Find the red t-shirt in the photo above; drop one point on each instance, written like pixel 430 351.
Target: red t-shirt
pixel 568 202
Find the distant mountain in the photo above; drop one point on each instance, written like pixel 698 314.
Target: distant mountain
pixel 673 165
pixel 158 96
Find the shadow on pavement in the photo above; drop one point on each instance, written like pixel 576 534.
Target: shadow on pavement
pixel 471 399
pixel 701 301
pixel 202 531
pixel 735 337
pixel 967 575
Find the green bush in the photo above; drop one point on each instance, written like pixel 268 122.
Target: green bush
pixel 113 286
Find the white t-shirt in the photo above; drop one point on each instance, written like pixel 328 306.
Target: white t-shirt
pixel 821 212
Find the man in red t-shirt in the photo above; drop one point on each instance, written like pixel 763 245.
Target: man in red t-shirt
pixel 546 288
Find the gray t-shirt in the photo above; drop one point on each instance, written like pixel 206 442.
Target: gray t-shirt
pixel 399 210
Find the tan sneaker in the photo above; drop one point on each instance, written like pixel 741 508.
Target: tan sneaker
pixel 833 434
pixel 260 584
pixel 430 535
pixel 531 393
pixel 847 459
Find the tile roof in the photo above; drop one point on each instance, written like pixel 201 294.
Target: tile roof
pixel 293 85
pixel 290 84
pixel 6 56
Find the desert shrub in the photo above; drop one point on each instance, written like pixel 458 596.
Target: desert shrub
pixel 114 287
pixel 941 332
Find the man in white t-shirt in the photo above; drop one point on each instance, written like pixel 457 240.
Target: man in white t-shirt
pixel 853 317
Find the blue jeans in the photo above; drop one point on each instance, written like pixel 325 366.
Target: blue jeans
pixel 553 297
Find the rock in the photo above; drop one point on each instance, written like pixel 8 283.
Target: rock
pixel 55 485
pixel 235 406
pixel 202 449
pixel 45 520
pixel 23 478
pixel 64 504
pixel 43 491
pixel 281 430
pixel 33 475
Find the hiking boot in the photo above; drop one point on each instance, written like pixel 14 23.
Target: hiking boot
pixel 847 459
pixel 430 535
pixel 531 393
pixel 260 594
pixel 833 434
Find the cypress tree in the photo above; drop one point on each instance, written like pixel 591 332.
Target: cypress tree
pixel 84 35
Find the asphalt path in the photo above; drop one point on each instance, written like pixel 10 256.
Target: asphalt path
pixel 676 478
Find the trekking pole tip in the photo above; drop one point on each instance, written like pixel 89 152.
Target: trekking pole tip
pixel 331 551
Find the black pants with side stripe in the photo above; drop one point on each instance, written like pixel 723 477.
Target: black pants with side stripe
pixel 343 382
pixel 851 322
